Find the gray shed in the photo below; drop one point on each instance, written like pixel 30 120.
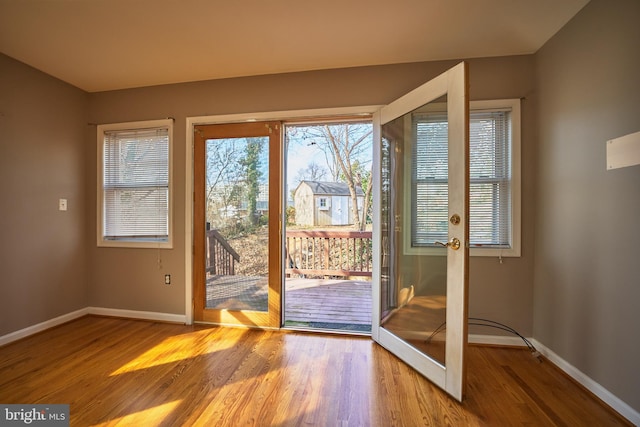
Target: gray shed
pixel 325 203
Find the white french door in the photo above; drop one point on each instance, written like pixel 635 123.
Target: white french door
pixel 420 283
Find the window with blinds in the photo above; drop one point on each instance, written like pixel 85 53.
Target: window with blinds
pixel 491 191
pixel 134 182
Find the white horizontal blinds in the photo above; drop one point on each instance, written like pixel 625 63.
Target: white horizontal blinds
pixel 136 184
pixel 429 180
pixel 490 179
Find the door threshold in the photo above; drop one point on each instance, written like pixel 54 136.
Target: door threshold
pixel 329 328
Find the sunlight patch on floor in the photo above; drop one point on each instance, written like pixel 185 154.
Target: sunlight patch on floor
pixel 150 417
pixel 175 349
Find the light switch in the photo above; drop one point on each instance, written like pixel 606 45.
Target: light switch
pixel 62 204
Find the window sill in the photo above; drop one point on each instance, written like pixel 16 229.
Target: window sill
pixel 135 244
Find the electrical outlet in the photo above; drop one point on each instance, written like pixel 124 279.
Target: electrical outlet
pixel 167 279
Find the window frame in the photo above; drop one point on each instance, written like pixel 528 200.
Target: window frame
pixel 323 203
pixel 514 249
pixel 133 242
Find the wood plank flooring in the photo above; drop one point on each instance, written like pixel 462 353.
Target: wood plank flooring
pixel 127 372
pixel 328 301
pixel 310 303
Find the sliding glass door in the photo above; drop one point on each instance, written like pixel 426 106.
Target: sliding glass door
pixel 237 202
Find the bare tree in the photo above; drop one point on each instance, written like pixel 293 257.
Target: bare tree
pixel 344 146
pixel 363 179
pixel 223 173
pixel 313 172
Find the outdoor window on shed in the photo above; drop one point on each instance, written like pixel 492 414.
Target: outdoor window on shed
pixel 323 204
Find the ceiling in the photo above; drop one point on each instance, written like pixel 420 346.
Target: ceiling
pixel 100 45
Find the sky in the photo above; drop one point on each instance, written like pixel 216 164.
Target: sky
pixel 301 152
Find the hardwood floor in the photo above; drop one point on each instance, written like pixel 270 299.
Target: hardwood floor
pixel 127 372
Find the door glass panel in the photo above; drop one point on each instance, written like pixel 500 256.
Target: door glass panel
pixel 414 216
pixel 237 211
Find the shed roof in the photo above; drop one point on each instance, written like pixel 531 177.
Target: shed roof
pixel 327 188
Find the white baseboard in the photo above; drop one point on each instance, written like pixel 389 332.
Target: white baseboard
pixel 496 340
pixel 134 314
pixel 605 395
pixel 114 312
pixel 34 329
pixel 610 399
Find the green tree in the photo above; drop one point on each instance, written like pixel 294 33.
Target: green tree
pixel 251 165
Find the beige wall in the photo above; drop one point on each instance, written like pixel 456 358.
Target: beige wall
pixel 56 158
pixel 587 262
pixel 579 90
pixel 130 279
pixel 43 131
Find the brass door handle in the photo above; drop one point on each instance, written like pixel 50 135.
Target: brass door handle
pixel 454 243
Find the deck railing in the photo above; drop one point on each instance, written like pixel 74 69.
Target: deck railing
pixel 221 258
pixel 329 253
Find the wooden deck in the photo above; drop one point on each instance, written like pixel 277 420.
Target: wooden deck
pixel 325 303
pixel 314 303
